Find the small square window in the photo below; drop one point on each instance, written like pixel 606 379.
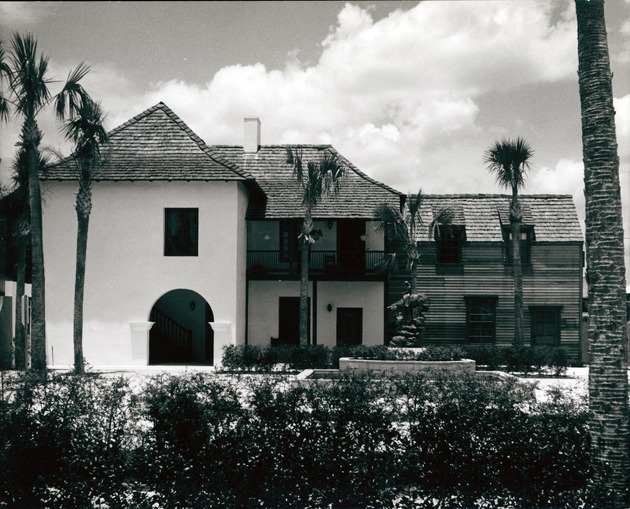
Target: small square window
pixel 181 232
pixel 527 236
pixel 449 244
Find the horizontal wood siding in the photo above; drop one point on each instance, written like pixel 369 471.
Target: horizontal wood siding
pixel 552 279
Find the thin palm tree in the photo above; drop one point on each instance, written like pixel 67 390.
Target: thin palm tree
pixel 402 228
pixel 607 321
pixel 85 129
pixel 316 179
pixel 510 161
pixel 21 233
pixel 26 73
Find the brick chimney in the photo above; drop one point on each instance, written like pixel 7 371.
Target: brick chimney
pixel 251 140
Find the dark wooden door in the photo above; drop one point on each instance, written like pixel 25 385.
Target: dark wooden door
pixel 351 246
pixel 289 320
pixel 349 326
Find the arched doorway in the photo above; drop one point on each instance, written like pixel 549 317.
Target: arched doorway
pixel 181 333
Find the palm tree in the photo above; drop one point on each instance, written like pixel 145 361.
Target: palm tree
pixel 316 180
pixel 509 159
pixel 86 131
pixel 28 93
pixel 607 332
pixel 402 228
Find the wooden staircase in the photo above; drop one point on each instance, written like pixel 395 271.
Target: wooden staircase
pixel 170 342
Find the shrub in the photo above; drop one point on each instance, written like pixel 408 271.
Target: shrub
pixel 524 359
pixel 473 439
pixel 207 441
pixel 66 441
pixel 195 425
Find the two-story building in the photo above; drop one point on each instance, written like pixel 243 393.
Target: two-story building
pixel 468 275
pixel 192 247
pixel 347 294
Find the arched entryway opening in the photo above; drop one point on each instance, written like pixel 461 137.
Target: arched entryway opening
pixel 180 333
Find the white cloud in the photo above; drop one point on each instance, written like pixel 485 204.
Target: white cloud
pixel 394 95
pixel 23 14
pixel 400 97
pixel 567 177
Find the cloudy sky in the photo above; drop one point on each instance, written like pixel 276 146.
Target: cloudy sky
pixel 412 93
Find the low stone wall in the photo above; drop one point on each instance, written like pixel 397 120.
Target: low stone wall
pixel 463 367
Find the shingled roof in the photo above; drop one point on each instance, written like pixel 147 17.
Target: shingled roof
pixel 156 145
pixel 553 217
pixel 358 194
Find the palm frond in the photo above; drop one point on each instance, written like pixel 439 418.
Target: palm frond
pixel 388 263
pixel 413 218
pixel 20 168
pixel 442 224
pixel 509 160
pixel 86 130
pixel 28 81
pixel 73 95
pixel 5 69
pixel 5 111
pixel 391 222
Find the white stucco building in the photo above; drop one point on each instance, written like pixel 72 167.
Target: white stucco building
pixel 192 247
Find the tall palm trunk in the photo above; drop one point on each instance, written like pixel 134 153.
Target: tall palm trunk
pixel 517 269
pixel 414 277
pixel 83 209
pixel 31 138
pixel 305 248
pixel 22 231
pixel 607 333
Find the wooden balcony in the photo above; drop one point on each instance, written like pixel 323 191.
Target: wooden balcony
pixel 323 265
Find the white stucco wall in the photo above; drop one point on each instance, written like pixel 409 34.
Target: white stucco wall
pixel 126 267
pixel 263 310
pixel 264 317
pixel 368 295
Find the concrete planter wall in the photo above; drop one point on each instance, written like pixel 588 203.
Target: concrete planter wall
pixel 462 367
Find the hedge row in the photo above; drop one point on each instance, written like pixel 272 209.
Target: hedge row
pixel 512 359
pixel 524 359
pixel 211 441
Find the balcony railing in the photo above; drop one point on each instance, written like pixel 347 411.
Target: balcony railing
pixel 261 264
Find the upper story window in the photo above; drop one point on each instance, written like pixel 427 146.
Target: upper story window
pixel 527 236
pixel 289 242
pixel 449 244
pixel 181 232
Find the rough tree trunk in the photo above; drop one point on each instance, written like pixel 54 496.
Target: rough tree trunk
pixel 20 331
pixel 31 136
pixel 83 209
pixel 517 271
pixel 305 249
pixel 608 374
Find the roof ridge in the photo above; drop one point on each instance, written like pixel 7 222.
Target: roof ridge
pixel 361 174
pixel 275 145
pixel 189 132
pixel 495 195
pixel 137 117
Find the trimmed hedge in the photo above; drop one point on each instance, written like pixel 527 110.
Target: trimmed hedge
pixel 265 359
pixel 526 359
pixel 211 441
